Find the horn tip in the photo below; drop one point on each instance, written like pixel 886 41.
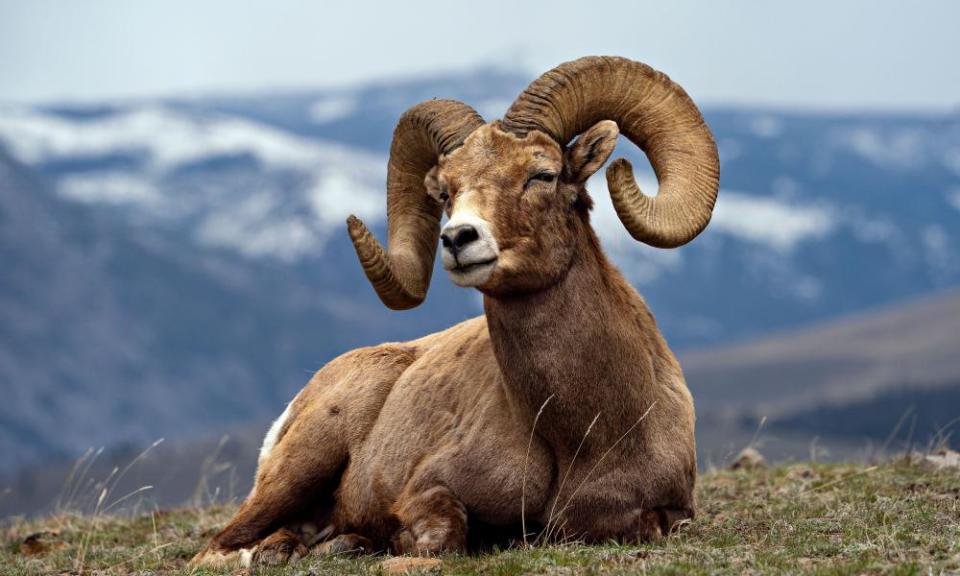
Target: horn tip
pixel 356 227
pixel 620 171
pixel 620 164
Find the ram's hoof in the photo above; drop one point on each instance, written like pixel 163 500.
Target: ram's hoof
pixel 279 548
pixel 346 545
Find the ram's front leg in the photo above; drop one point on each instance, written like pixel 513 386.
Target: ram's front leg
pixel 433 520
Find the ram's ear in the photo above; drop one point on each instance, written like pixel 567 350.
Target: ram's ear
pixel 432 185
pixel 591 150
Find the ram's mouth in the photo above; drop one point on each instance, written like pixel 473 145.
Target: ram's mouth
pixel 473 273
pixel 465 268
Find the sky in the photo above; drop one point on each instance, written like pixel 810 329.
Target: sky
pixel 814 54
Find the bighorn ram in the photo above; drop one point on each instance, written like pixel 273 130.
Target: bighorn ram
pixel 559 411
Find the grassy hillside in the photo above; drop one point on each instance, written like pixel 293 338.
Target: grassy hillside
pixel 899 517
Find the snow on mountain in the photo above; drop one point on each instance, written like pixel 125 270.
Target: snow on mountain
pixel 333 107
pixel 165 137
pixel 769 221
pixel 167 145
pixel 111 187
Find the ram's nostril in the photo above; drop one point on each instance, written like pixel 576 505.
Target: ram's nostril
pixel 458 237
pixel 464 236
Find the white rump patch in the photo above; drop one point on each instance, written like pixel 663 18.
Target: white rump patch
pixel 273 434
pixel 246 557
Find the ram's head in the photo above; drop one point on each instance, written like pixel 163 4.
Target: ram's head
pixel 514 189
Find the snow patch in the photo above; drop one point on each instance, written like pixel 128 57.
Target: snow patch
pixel 109 188
pixel 250 228
pixel 729 149
pixel 937 245
pixel 266 224
pixel 167 138
pixel 256 219
pixel 902 149
pixel 766 126
pixel 785 187
pixel 337 194
pixel 951 159
pixel 806 288
pixel 332 108
pixel 776 223
pixel 953 198
pixel 874 231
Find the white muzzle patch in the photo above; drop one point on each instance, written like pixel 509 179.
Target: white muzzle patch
pixel 470 251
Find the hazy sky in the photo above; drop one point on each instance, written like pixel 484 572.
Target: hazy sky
pixel 819 54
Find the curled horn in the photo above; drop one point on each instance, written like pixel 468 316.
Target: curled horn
pixel 401 274
pixel 656 115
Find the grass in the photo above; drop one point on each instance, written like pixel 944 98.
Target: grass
pixel 894 518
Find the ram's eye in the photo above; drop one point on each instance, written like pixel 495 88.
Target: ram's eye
pixel 444 196
pixel 547 177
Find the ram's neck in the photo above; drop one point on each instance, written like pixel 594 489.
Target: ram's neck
pixel 588 343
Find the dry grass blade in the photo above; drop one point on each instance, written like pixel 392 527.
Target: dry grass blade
pixel 210 467
pixel 136 459
pixel 127 497
pixel 64 496
pixel 756 433
pixel 77 478
pixel 526 460
pixel 603 457
pixel 566 474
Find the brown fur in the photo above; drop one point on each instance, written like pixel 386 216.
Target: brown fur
pixel 415 445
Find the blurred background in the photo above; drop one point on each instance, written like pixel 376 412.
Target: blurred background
pixel 174 179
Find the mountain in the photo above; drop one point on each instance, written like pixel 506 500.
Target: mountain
pixel 178 267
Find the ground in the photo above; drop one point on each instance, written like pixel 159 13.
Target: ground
pixel 898 517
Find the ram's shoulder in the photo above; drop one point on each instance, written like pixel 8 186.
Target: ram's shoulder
pixel 468 330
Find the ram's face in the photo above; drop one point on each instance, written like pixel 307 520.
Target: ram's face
pixel 512 205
